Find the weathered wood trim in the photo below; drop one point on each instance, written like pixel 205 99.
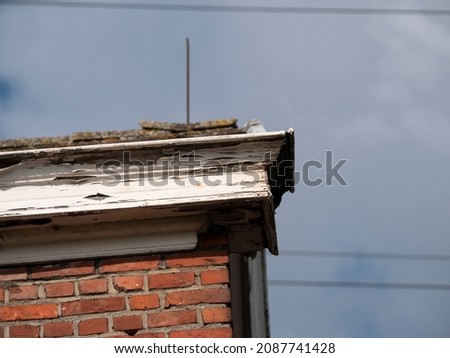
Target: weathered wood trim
pixel 49 200
pixel 240 305
pixel 259 314
pixel 57 243
pixel 249 300
pixel 246 238
pixel 46 188
pixel 269 225
pixel 197 142
pixel 69 180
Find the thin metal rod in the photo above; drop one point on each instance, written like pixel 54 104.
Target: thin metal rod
pixel 188 114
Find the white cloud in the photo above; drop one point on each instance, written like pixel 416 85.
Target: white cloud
pixel 408 97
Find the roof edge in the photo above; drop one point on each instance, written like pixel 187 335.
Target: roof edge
pixel 160 143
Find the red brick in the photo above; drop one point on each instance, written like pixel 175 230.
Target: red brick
pixel 79 268
pixel 197 259
pixel 25 331
pixel 93 326
pixel 13 274
pixel 213 240
pixel 95 285
pixel 128 283
pixel 2 295
pixel 149 335
pixel 206 295
pixel 97 305
pixel 215 276
pixel 144 302
pixel 127 323
pixel 28 292
pixel 129 264
pixel 139 335
pixel 171 318
pixel 59 289
pixel 27 312
pixel 216 315
pixel 119 336
pixel 58 329
pixel 203 333
pixel 169 280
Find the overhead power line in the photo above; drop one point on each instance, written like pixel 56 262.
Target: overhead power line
pixel 231 8
pixel 365 255
pixel 375 285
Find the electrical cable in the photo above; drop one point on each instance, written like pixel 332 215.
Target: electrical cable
pixel 364 255
pixel 231 8
pixel 375 285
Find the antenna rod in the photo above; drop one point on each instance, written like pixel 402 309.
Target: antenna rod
pixel 187 84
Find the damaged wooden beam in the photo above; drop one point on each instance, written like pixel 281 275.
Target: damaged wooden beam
pixel 37 185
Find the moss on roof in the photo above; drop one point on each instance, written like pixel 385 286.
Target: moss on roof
pixel 150 131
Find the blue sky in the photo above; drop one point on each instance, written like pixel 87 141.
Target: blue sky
pixel 373 89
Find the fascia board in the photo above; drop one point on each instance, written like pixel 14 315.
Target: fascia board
pixel 61 181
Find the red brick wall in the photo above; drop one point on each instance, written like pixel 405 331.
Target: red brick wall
pixel 174 295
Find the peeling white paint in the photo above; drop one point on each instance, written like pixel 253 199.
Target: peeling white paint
pixel 68 180
pixel 46 195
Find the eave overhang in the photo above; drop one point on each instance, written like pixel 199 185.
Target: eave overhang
pixel 56 187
